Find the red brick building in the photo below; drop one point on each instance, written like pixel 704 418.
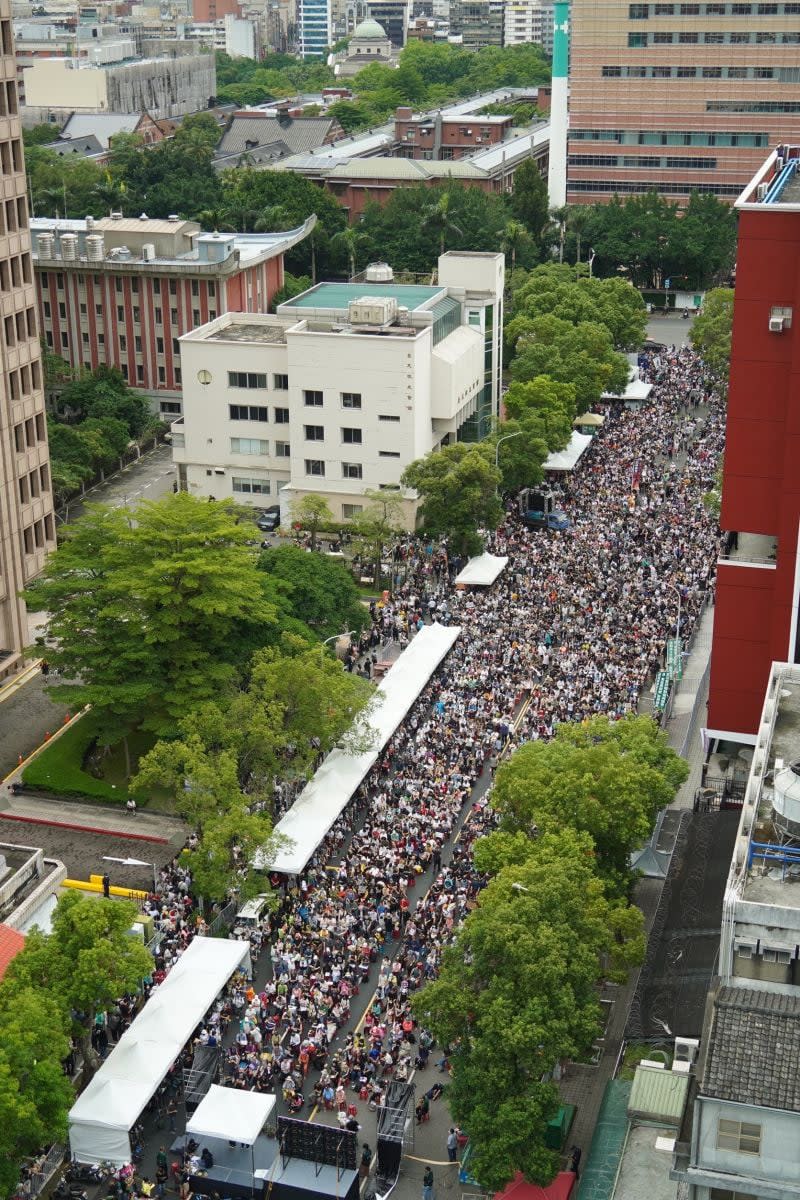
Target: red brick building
pixel 120 291
pixel 758 590
pixel 441 138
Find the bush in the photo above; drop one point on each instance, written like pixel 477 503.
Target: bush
pixel 59 768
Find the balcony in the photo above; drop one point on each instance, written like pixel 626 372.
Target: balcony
pixel 750 549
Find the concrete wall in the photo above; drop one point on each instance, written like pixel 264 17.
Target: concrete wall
pixel 779 1160
pixel 53 82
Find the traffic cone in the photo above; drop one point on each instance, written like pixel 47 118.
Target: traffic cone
pixel 47 736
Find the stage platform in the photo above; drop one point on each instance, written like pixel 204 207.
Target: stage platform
pixel 241 1171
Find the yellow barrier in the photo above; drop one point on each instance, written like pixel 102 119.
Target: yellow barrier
pixel 95 884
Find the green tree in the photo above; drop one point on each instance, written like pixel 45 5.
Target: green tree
pixel 321 591
pixel 514 236
pixel 557 290
pixel 377 526
pixel 458 488
pixel 711 330
pixel 35 1094
pixel 86 963
pixel 605 778
pixel 349 242
pixel 581 354
pixel 517 994
pixel 311 513
pixel 438 219
pixel 147 619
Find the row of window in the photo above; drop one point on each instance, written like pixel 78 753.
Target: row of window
pixel 316 433
pixel 30 433
pixel 316 466
pixel 783 74
pixel 19 327
pixel 656 162
pixel 36 535
pixel 13 215
pixel 119 286
pixel 15 271
pixel 674 137
pixel 25 381
pixel 715 38
pixel 257 380
pixel 33 484
pixel 100 310
pixel 753 106
pixel 280 416
pixel 639 186
pixel 642 12
pixel 258 446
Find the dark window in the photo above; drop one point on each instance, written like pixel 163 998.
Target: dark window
pixel 312 399
pixel 247 379
pixel 352 437
pixel 281 416
pixel 315 466
pixel 314 433
pixel 247 412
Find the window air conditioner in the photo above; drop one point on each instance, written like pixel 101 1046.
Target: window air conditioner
pixel 776 324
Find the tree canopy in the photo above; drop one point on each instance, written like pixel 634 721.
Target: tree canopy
pixel 711 330
pixel 321 590
pixel 458 488
pixel 580 354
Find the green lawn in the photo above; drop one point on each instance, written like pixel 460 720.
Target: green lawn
pixel 60 768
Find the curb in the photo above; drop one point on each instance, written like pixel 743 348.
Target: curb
pixel 139 837
pixel 15 682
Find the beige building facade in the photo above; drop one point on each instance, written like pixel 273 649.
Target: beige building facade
pixel 27 528
pixel 678 96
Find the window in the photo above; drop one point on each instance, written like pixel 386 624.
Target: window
pixel 776 956
pixel 282 450
pixel 742 1137
pixel 247 412
pixel 388 454
pixel 249 446
pixel 256 487
pixel 688 39
pixel 611 72
pixel 315 466
pixel 351 400
pixel 247 379
pixel 352 471
pixel 662 39
pixel 280 383
pixel 737 72
pixel 637 40
pixel 281 416
pixel 312 399
pixel 314 433
pixel 725 1194
pixel 351 510
pixel 351 437
pixel 387 417
pixel 665 10
pixel 638 12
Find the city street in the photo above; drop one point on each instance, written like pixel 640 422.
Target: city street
pixel 148 478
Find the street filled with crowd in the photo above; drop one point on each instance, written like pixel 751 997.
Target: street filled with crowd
pixel 576 625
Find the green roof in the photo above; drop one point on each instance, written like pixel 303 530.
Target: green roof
pixel 338 295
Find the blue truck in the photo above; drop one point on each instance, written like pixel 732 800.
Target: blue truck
pixel 538 511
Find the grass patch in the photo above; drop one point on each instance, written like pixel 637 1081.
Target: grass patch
pixel 60 770
pixel 635 1052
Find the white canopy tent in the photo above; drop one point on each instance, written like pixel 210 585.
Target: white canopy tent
pixel 230 1114
pixel 102 1116
pixel 325 797
pixel 481 571
pixel 636 390
pixel 567 460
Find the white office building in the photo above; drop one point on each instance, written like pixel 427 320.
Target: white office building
pixel 342 388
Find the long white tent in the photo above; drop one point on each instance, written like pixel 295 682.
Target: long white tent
pixel 481 571
pixel 567 460
pixel 102 1116
pixel 231 1115
pixel 325 797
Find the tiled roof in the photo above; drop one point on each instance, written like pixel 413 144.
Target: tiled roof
pixel 754 1046
pixel 79 146
pixel 300 134
pixel 11 942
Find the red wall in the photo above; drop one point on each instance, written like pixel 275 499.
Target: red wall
pixel 761 480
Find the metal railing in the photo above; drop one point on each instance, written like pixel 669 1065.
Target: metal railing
pixel 224 918
pixel 36 1181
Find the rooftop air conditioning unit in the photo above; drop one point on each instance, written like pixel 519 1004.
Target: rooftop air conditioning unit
pixel 686 1050
pixel 778 165
pixel 116 216
pixel 776 324
pixel 148 252
pixel 761 191
pixel 654 1063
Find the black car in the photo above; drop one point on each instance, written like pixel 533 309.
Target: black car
pixel 270 519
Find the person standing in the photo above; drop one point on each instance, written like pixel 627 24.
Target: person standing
pixel 427 1184
pixel 452 1145
pixel 172 1112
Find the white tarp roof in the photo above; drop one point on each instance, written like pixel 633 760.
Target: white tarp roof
pixel 482 570
pixel 566 460
pixel 230 1114
pixel 635 390
pixel 325 797
pixel 101 1117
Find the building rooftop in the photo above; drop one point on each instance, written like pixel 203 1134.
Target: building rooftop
pixel 247 332
pixel 776 183
pixel 644 1168
pixel 336 297
pixel 753 1049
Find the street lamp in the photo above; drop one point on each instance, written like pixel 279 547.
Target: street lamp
pixel 592 256
pixel 133 862
pixel 334 638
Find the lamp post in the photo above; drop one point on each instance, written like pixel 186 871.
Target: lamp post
pixel 133 862
pixel 334 638
pixel 505 438
pixel 592 256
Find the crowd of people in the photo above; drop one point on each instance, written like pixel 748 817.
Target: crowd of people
pixel 578 624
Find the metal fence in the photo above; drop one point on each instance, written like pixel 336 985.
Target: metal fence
pixel 36 1181
pixel 224 918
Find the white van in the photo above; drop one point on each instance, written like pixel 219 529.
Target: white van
pixel 251 914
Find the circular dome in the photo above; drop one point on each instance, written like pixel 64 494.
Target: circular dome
pixel 369 30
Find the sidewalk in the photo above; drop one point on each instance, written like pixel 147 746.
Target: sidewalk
pixel 90 818
pixel 689 710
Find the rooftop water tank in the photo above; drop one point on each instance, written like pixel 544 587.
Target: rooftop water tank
pixel 379 272
pixel 69 247
pixel 45 245
pixel 95 247
pixel 786 798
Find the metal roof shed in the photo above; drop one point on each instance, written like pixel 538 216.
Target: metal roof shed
pixel 658 1095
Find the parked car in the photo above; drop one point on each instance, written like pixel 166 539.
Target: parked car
pixel 270 519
